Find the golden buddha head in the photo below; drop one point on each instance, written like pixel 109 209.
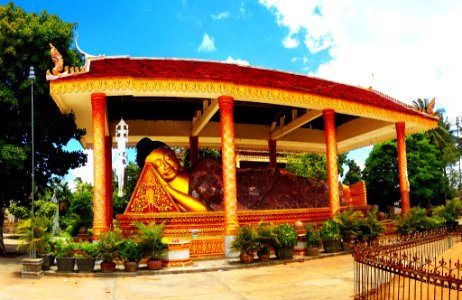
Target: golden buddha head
pixel 160 156
pixel 165 162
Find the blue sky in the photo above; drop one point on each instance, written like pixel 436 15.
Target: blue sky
pixel 406 49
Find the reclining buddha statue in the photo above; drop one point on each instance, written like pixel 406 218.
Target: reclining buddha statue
pixel 165 185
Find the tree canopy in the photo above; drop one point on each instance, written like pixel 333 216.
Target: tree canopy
pixel 312 165
pixel 24 42
pixel 425 173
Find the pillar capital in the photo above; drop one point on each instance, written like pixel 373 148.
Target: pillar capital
pixel 328 113
pixel 98 99
pixel 225 100
pixel 400 126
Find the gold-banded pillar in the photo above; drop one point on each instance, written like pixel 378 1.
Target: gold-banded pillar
pixel 98 110
pixel 272 153
pixel 193 149
pixel 331 155
pixel 402 168
pixel 108 145
pixel 226 104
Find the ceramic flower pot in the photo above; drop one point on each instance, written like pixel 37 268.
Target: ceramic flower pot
pixel 154 264
pixel 108 267
pixel 131 266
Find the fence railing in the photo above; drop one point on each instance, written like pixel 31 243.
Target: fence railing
pixel 411 268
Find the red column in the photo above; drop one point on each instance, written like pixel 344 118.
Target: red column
pixel 331 153
pixel 98 105
pixel 108 145
pixel 402 168
pixel 226 104
pixel 193 149
pixel 272 153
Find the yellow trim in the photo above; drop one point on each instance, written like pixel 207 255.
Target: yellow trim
pixel 129 85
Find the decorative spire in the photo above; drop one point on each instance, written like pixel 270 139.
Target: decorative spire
pixel 121 161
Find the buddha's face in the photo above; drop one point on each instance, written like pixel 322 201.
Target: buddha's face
pixel 165 162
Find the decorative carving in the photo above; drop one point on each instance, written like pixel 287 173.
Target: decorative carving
pixel 57 59
pixel 258 94
pixel 149 195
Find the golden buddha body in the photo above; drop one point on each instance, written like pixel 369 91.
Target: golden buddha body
pixel 170 174
pixel 201 188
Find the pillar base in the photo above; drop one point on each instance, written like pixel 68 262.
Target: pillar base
pixel 228 241
pixel 32 268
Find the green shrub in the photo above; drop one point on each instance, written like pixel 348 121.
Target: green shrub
pixel 131 251
pixel 416 220
pixel 246 241
pixel 285 236
pixel 150 237
pixel 312 236
pixel 330 230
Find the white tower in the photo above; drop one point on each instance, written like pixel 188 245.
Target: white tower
pixel 121 137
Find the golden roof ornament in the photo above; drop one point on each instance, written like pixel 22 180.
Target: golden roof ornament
pixel 57 59
pixel 431 107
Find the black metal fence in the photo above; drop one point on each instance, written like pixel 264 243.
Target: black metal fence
pixel 411 268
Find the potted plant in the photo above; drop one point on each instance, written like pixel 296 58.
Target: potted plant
pixel 85 256
pixel 373 228
pixel 312 240
pixel 285 240
pixel 150 237
pixel 349 222
pixel 131 253
pixel 265 238
pixel 40 238
pixel 245 243
pixel 108 249
pixel 65 259
pixel 331 236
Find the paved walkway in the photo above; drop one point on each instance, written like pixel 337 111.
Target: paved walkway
pixel 325 278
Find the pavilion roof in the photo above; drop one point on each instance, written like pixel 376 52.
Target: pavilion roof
pixel 172 99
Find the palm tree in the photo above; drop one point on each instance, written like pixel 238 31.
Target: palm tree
pixel 441 135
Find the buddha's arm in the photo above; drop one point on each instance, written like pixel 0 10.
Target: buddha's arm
pixel 188 202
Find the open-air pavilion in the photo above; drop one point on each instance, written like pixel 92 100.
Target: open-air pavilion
pixel 204 104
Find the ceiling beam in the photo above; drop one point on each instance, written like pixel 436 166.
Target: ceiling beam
pixel 208 113
pixel 297 123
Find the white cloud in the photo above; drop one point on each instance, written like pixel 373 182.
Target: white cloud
pixel 304 19
pixel 221 16
pixel 290 42
pixel 412 48
pixel 207 45
pixel 237 61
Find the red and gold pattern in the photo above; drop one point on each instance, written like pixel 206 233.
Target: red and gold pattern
pixel 402 168
pixel 226 104
pixel 149 195
pixel 209 225
pixel 254 93
pixel 331 155
pixel 98 102
pixel 178 254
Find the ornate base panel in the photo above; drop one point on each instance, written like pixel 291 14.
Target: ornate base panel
pixel 206 229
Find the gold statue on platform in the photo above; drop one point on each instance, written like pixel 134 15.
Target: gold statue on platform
pixel 165 186
pixel 170 174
